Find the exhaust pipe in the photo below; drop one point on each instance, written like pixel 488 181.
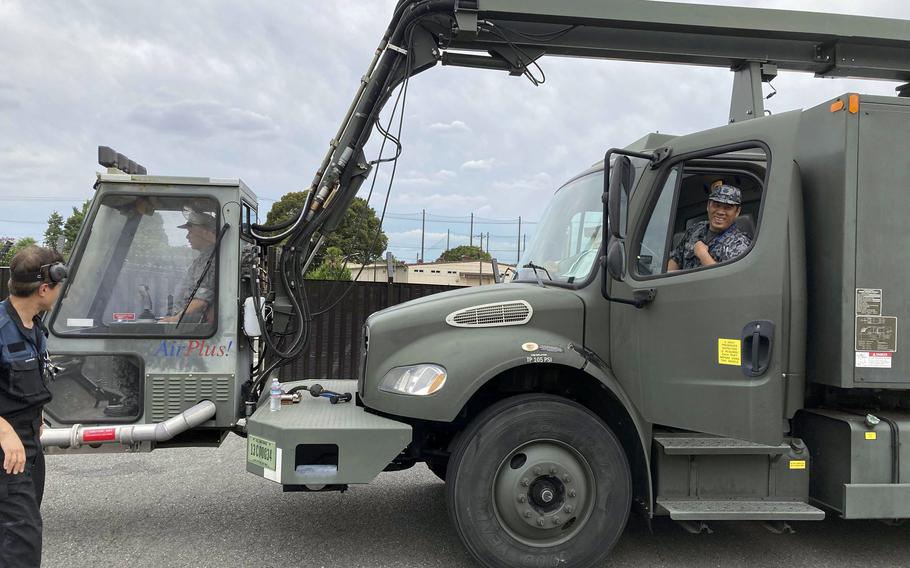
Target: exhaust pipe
pixel 77 435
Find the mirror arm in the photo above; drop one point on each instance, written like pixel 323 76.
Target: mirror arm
pixel 641 299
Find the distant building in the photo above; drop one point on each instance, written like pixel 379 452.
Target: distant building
pixel 444 273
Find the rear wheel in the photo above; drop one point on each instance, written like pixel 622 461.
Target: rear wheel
pixel 538 480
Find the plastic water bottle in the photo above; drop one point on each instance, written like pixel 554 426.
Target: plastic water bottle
pixel 275 395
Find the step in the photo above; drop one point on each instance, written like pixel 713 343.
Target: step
pixel 710 445
pixel 728 510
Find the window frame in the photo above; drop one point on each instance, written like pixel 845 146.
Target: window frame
pixel 680 161
pixel 113 419
pixel 640 167
pixel 78 252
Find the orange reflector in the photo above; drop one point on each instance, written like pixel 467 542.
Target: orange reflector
pixel 437 383
pixel 837 105
pixel 854 104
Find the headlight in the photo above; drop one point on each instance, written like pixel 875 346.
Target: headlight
pixel 418 380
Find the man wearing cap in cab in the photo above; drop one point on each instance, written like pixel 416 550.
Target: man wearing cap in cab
pixel 718 238
pixel 35 275
pixel 200 232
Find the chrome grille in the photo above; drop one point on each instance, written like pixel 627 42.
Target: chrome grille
pixel 515 312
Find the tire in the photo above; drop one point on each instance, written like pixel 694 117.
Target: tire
pixel 538 480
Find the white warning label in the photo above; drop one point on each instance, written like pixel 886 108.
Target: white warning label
pixel 874 359
pixel 868 301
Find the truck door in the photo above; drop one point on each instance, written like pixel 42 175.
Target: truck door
pixel 710 349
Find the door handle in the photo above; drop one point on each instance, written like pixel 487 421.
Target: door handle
pixel 757 347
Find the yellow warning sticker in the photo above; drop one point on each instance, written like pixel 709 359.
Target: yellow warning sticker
pixel 729 352
pixel 797 464
pixel 871 435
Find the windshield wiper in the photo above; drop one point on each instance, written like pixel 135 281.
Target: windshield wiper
pixel 208 264
pixel 535 267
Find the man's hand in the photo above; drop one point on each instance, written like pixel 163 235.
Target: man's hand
pixel 701 251
pixel 13 451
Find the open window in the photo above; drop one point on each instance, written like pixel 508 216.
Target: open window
pixel 147 260
pixel 678 217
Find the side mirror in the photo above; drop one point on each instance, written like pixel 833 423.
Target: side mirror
pixel 621 177
pixel 616 259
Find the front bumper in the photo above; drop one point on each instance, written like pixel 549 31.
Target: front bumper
pixel 314 442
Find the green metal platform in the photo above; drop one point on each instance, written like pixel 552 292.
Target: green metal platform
pixel 316 443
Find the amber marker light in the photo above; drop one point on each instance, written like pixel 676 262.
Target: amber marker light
pixel 854 104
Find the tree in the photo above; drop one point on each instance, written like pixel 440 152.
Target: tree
pixel 353 236
pixel 54 230
pixel 72 226
pixel 331 268
pixel 464 252
pixel 20 244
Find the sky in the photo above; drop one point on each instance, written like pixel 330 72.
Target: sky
pixel 255 90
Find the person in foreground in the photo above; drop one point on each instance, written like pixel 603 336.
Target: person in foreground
pixel 36 274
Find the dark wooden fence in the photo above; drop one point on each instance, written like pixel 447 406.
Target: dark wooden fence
pixel 333 351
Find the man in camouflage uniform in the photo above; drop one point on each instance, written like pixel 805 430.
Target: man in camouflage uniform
pixel 200 232
pixel 716 240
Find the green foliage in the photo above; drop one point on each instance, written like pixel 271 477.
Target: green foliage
pixel 54 230
pixel 353 236
pixel 331 268
pixel 72 226
pixel 464 252
pixel 20 244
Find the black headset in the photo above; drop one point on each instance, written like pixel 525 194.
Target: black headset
pixel 47 273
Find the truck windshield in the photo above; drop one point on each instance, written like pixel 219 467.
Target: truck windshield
pixel 569 236
pixel 137 271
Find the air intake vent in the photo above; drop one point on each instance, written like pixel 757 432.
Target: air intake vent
pixel 172 394
pixel 516 312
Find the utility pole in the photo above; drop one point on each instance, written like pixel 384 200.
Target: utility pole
pixel 471 232
pixel 481 242
pixel 423 232
pixel 525 245
pixel 447 238
pixel 518 259
pixel 488 241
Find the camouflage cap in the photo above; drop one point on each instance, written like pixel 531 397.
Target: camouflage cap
pixel 727 194
pixel 194 217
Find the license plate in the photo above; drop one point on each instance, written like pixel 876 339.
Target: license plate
pixel 260 452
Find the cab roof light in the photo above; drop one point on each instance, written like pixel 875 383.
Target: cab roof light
pixel 109 158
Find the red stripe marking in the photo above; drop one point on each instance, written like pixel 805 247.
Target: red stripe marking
pixel 99 434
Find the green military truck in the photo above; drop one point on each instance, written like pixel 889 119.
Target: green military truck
pixel 768 387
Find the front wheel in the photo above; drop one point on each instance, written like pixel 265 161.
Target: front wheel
pixel 538 480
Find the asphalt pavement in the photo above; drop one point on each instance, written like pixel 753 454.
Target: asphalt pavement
pixel 199 508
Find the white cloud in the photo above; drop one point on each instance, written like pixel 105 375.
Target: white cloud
pixel 454 126
pixel 441 204
pixel 484 164
pixel 203 119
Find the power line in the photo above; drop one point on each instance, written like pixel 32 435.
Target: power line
pixel 22 222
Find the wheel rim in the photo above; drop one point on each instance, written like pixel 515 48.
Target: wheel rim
pixel 543 493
